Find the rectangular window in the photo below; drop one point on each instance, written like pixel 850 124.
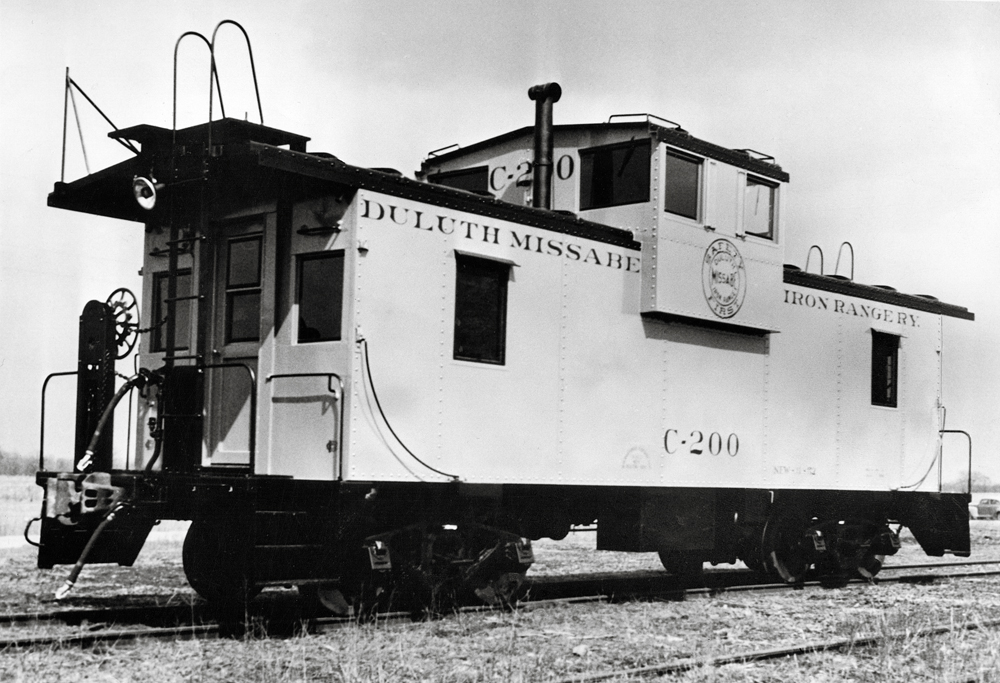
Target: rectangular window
pixel 758 208
pixel 182 327
pixel 471 179
pixel 320 296
pixel 885 364
pixel 614 175
pixel 480 309
pixel 243 286
pixel 682 190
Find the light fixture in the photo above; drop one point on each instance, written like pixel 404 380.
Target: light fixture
pixel 144 190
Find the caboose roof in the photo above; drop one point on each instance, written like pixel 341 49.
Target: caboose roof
pixel 224 131
pixel 247 158
pixel 676 136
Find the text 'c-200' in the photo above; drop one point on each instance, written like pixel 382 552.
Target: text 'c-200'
pixel 696 443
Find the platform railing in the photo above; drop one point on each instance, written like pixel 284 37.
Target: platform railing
pixel 941 459
pixel 41 436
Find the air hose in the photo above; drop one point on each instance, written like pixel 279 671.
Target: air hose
pixel 78 567
pixel 137 380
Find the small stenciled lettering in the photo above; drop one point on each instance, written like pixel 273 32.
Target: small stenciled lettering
pixel 491 234
pixel 799 470
pixel 872 311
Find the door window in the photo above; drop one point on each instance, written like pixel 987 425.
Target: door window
pixel 320 297
pixel 243 286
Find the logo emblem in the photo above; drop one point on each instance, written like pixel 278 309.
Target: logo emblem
pixel 723 278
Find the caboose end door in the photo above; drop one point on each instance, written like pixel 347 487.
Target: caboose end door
pixel 237 327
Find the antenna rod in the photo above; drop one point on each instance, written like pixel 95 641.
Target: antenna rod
pixel 62 171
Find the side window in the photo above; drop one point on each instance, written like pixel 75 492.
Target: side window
pixel 480 309
pixel 758 208
pixel 614 175
pixel 682 190
pixel 182 308
pixel 243 286
pixel 320 296
pixel 885 364
pixel 471 179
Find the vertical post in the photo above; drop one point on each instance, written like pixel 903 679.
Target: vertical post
pixel 95 384
pixel 171 330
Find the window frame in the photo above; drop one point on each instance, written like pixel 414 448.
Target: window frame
pixel 441 178
pixel 243 289
pixel 885 375
pixel 300 259
pixel 158 342
pixel 771 234
pixel 464 263
pixel 699 191
pixel 586 155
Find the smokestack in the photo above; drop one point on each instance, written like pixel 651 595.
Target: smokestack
pixel 545 96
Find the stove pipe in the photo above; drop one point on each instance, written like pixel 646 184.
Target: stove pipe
pixel 545 96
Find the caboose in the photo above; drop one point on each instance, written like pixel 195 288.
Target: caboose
pixel 352 381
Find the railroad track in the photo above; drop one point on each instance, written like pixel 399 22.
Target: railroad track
pixel 855 642
pixel 278 616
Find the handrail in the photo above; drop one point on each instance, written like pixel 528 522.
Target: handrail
pixel 41 437
pixel 649 119
pixel 211 81
pixel 967 436
pixel 253 405
pixel 330 376
pixel 809 256
pixel 836 269
pixel 215 73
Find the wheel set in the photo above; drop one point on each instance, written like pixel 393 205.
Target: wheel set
pixel 423 569
pixel 791 546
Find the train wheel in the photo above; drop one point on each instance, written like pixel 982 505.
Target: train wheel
pixel 680 564
pixel 322 600
pixel 216 562
pixel 869 564
pixel 503 591
pixel 438 567
pixel 781 547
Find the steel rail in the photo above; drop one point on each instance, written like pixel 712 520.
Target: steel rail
pixel 116 635
pixel 689 663
pixel 132 613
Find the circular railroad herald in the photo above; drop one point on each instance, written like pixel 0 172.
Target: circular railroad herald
pixel 723 278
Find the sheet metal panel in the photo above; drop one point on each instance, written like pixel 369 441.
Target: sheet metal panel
pixel 304 439
pixel 594 393
pixel 706 268
pixel 823 431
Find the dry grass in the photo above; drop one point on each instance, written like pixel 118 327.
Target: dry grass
pixel 556 643
pixel 20 500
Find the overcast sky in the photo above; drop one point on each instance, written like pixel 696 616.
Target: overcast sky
pixel 886 114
